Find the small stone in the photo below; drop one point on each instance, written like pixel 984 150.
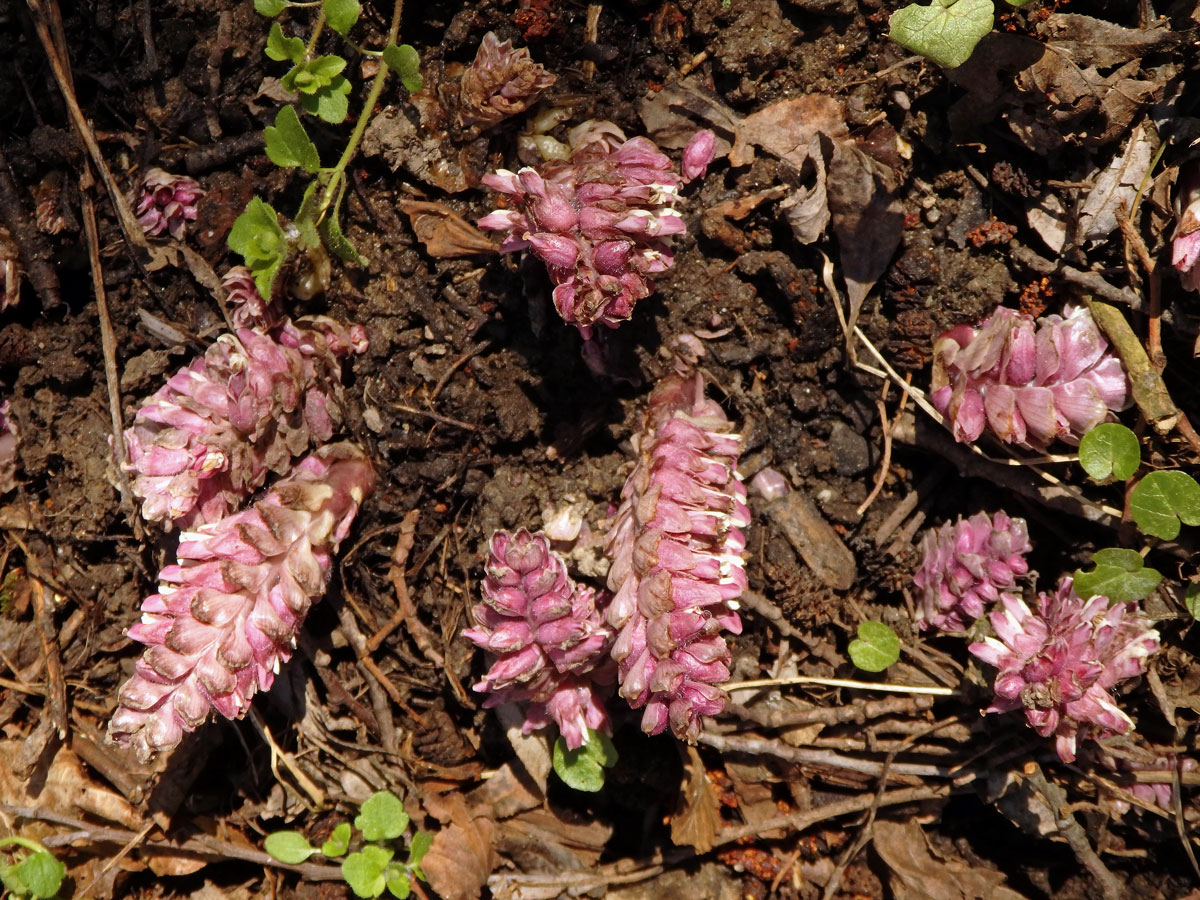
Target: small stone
pixel 851 452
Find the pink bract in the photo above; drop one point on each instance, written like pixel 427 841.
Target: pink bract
pixel 166 202
pixel 1185 246
pixel 501 82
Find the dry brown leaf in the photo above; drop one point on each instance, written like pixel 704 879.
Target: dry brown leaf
pixel 461 857
pixel 918 875
pixel 698 817
pixel 538 840
pixel 508 792
pixel 445 234
pixel 1094 42
pixel 1115 188
pixel 68 789
pixel 786 129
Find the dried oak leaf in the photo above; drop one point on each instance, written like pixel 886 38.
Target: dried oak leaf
pixel 445 234
pixel 462 855
pixel 916 874
pixel 697 819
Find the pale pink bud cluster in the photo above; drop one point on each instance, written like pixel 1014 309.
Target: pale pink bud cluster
pixel 1185 245
pixel 676 549
pixel 252 404
pixel 965 566
pixel 1030 383
pixel 599 220
pixel 1157 794
pixel 226 617
pixel 247 307
pixel 501 82
pixel 166 202
pixel 1060 661
pixel 550 638
pixel 8 449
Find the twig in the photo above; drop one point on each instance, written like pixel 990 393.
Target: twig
pixel 857 711
pixel 56 694
pixel 1091 281
pixel 437 417
pixel 839 682
pixel 278 754
pixel 116 858
pixel 806 756
pixel 886 462
pixel 481 347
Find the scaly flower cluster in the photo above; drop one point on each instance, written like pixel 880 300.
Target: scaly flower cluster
pixel 1185 245
pixel 8 449
pixel 677 568
pixel 253 403
pixel 1061 661
pixel 166 202
pixel 1160 794
pixel 965 566
pixel 1030 383
pixel 247 307
pixel 501 82
pixel 599 220
pixel 226 617
pixel 551 640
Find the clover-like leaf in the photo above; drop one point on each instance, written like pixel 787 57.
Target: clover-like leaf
pixel 1110 451
pixel 289 847
pixel 364 870
pixel 875 648
pixel 1120 575
pixel 583 768
pixel 280 48
pixel 406 62
pixel 41 874
pixel 269 8
pixel 945 32
pixel 341 14
pixel 288 144
pixel 338 841
pixel 1161 500
pixel 382 817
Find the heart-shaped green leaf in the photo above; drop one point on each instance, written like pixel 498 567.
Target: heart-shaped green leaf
pixel 945 32
pixel 382 817
pixel 364 871
pixel 1110 451
pixel 583 768
pixel 875 648
pixel 1161 500
pixel 1120 575
pixel 288 144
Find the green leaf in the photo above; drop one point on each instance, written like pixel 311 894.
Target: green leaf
pixel 256 233
pixel 399 882
pixel 406 62
pixel 945 32
pixel 364 870
pixel 338 841
pixel 269 8
pixel 420 845
pixel 288 144
pixel 875 648
pixel 1120 575
pixel 280 48
pixel 1191 599
pixel 583 768
pixel 330 103
pixel 337 243
pixel 1110 451
pixel 341 14
pixel 41 873
pixel 382 817
pixel 1162 499
pixel 289 847
pixel 12 881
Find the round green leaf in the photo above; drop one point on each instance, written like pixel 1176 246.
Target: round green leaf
pixel 382 817
pixel 583 768
pixel 406 62
pixel 945 32
pixel 1161 500
pixel 1120 575
pixel 875 648
pixel 399 882
pixel 341 14
pixel 338 842
pixel 1110 451
pixel 289 847
pixel 1191 599
pixel 269 8
pixel 364 870
pixel 41 873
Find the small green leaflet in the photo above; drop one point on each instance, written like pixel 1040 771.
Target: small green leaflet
pixel 41 874
pixel 583 768
pixel 399 884
pixel 338 841
pixel 288 144
pixel 1191 599
pixel 1110 451
pixel 875 648
pixel 256 235
pixel 330 103
pixel 406 62
pixel 945 32
pixel 1120 575
pixel 1162 499
pixel 382 817
pixel 364 870
pixel 420 845
pixel 341 14
pixel 309 77
pixel 269 8
pixel 280 48
pixel 289 847
pixel 337 243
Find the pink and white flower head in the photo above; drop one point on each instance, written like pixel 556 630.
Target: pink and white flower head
pixel 677 570
pixel 166 202
pixel 965 566
pixel 1060 661
pixel 1158 794
pixel 229 613
pixel 551 640
pixel 247 307
pixel 600 221
pixel 8 449
pixel 501 82
pixel 1185 245
pixel 1031 384
pixel 253 403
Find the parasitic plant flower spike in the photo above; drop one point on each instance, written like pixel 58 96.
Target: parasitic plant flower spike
pixel 599 220
pixel 1060 661
pixel 166 202
pixel 1030 383
pixel 501 82
pixel 966 565
pixel 247 308
pixel 252 404
pixel 551 640
pixel 1185 245
pixel 676 548
pixel 226 617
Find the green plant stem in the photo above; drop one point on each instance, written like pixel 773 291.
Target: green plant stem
pixel 23 842
pixel 317 29
pixel 339 171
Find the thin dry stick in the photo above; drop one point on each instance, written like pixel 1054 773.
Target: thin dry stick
pixel 479 348
pixel 279 754
pixel 760 683
pixel 886 462
pixel 807 756
pixel 56 695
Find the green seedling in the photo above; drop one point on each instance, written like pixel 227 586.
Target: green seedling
pixel 875 648
pixel 583 768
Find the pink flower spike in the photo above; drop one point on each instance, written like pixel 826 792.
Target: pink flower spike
pixel 229 614
pixel 698 154
pixel 1060 661
pixel 1185 245
pixel 965 566
pixel 247 307
pixel 166 202
pixel 552 641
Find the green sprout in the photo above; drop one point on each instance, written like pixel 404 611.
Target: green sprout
pixel 36 874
